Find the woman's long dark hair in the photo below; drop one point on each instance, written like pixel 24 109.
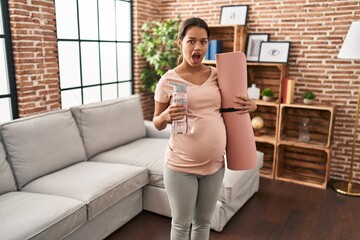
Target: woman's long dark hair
pixel 188 23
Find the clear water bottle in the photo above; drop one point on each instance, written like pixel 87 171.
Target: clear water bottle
pixel 304 134
pixel 179 96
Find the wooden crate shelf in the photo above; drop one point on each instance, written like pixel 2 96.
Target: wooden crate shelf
pixel 269 151
pixel 295 142
pixel 267 75
pixel 320 123
pixel 265 139
pixel 269 113
pixel 305 162
pixel 303 165
pixel 266 103
pixel 233 38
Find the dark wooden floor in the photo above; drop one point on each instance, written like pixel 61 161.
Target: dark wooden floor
pixel 279 210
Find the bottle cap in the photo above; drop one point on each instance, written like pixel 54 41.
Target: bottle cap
pixel 178 87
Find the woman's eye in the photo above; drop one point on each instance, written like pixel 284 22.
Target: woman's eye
pixel 204 42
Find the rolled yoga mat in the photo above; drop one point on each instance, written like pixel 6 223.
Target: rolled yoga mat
pixel 232 79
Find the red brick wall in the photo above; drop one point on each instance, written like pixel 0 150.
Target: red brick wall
pixel 143 11
pixel 35 55
pixel 316 29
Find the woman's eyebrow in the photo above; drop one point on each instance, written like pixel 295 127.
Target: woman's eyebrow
pixel 200 38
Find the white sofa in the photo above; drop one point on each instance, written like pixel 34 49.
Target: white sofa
pixel 83 173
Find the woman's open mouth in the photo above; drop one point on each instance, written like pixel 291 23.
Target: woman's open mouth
pixel 196 57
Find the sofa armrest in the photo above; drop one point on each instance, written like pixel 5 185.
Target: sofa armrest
pixel 152 132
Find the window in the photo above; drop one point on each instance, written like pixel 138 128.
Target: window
pixel 95 50
pixel 8 99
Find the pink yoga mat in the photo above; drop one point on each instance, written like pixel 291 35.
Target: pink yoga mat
pixel 232 78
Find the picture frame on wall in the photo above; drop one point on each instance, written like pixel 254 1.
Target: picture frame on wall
pixel 234 14
pixel 274 52
pixel 253 45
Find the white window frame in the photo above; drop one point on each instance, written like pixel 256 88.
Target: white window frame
pixel 77 88
pixel 11 95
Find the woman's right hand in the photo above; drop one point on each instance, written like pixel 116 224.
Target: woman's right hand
pixel 165 113
pixel 176 112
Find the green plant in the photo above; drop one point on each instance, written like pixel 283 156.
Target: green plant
pixel 309 95
pixel 267 92
pixel 158 46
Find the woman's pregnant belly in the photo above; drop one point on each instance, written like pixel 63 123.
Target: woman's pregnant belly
pixel 203 144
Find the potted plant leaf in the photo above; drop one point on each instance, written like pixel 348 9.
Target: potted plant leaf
pixel 267 94
pixel 308 97
pixel 158 45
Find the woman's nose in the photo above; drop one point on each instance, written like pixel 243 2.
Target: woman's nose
pixel 197 46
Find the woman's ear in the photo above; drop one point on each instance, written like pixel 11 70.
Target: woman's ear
pixel 179 42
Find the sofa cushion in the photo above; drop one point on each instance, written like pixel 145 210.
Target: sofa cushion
pixel 234 181
pixel 39 216
pixel 108 124
pixel 152 132
pixel 7 181
pixel 41 144
pixel 99 185
pixel 145 152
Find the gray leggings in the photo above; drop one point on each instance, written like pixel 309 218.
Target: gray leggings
pixel 192 201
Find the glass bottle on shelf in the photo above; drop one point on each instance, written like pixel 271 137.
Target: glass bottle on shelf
pixel 304 134
pixel 253 92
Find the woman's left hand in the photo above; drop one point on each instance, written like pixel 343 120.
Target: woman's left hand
pixel 246 105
